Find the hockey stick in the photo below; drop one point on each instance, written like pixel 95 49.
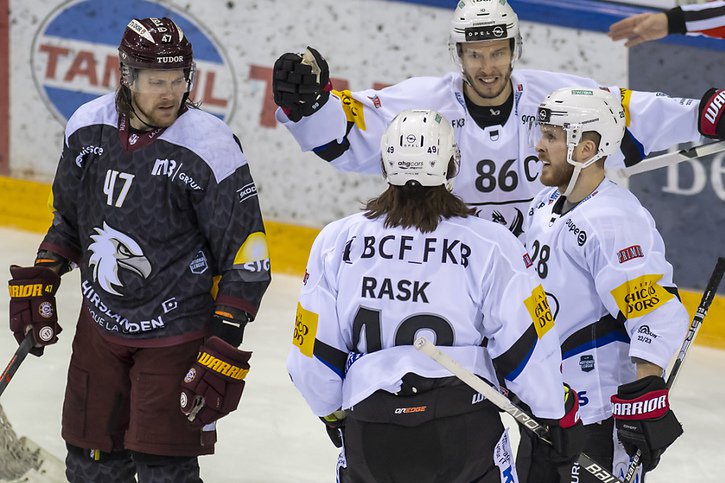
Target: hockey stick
pixel 502 402
pixel 707 296
pixel 649 164
pixel 15 361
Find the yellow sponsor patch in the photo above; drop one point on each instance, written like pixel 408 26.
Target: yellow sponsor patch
pixel 253 249
pixel 352 107
pixel 539 310
pixel 641 296
pixel 626 96
pixel 305 330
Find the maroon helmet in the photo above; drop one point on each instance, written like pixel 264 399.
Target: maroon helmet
pixel 155 43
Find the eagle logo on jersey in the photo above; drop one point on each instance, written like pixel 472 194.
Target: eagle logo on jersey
pixel 516 227
pixel 112 250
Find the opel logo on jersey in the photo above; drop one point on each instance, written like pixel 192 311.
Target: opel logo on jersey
pixel 74 57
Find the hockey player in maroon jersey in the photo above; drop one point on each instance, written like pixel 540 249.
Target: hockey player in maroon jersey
pixel 152 199
pixel 418 262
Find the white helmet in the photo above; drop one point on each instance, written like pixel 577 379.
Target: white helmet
pixel 418 146
pixel 582 109
pixel 480 20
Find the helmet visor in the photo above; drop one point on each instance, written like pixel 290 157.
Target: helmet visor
pixel 158 82
pixel 545 133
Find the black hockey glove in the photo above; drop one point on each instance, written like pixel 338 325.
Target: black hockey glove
pixel 228 324
pixel 567 434
pixel 335 426
pixel 301 83
pixel 644 420
pixel 710 119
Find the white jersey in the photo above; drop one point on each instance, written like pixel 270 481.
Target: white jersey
pixel 499 172
pixel 369 291
pixel 610 289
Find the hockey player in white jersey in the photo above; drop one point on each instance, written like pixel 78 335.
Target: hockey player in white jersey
pixel 602 263
pixel 489 103
pixel 417 262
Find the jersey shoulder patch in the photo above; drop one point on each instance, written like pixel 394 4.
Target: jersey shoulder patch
pixel 210 139
pixel 101 110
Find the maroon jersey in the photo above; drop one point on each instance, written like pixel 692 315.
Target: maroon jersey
pixel 150 219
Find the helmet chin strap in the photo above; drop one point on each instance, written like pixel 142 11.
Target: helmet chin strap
pixel 150 126
pixel 577 168
pixel 133 110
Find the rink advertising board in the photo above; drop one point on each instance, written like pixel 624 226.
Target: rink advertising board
pixel 74 56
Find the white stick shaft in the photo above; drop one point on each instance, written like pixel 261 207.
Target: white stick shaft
pixel 649 164
pixel 429 349
pixel 502 402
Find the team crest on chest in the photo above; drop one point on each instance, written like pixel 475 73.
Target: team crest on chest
pixel 112 250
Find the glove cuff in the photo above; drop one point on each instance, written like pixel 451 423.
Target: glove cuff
pixel 44 282
pixel 710 120
pixel 571 406
pixel 228 324
pixel 641 386
pixel 676 21
pixel 646 398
